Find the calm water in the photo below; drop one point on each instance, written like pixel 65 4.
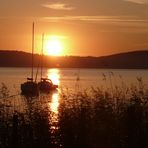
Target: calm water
pixel 74 78
pixel 67 79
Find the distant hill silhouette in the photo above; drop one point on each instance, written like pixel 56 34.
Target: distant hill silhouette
pixel 129 60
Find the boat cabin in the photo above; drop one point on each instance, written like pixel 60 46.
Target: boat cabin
pixel 46 86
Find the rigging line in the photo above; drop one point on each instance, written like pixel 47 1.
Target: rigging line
pixel 32 49
pixel 42 54
pixel 37 72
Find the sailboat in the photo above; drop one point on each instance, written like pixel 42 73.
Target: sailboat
pixel 45 85
pixel 30 87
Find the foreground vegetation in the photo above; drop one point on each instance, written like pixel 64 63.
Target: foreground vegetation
pixel 115 117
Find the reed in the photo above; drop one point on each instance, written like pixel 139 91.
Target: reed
pixel 92 118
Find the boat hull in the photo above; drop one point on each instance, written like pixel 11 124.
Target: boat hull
pixel 47 87
pixel 29 89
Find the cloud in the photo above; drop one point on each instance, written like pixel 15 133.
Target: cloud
pixel 138 1
pixel 58 6
pixel 121 23
pixel 97 19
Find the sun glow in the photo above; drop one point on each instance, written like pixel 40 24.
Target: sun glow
pixel 53 46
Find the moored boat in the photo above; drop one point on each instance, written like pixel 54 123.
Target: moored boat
pixel 30 88
pixel 46 86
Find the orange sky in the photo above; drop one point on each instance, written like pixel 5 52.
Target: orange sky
pixel 88 27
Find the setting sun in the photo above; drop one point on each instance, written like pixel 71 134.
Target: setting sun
pixel 53 46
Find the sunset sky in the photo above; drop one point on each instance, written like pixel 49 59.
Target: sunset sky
pixel 84 27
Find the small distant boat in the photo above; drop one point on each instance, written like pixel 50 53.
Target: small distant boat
pixel 45 85
pixel 30 88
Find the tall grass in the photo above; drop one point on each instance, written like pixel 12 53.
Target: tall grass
pixel 105 118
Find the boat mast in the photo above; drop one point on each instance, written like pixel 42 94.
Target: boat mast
pixel 32 49
pixel 42 54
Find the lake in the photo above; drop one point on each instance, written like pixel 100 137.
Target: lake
pixel 74 78
pixel 111 119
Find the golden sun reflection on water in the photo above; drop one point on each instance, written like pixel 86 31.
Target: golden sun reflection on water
pixel 54 103
pixel 53 107
pixel 54 75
